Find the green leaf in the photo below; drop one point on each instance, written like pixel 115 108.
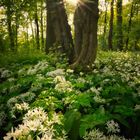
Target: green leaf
pixel 92 120
pixel 124 110
pixel 70 118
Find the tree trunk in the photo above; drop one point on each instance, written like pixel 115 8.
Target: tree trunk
pixel 129 25
pixel 37 28
pixel 119 35
pixel 58 29
pixel 41 22
pixel 16 29
pixel 50 36
pixel 110 46
pixel 85 21
pixel 105 23
pixel 33 36
pixel 10 31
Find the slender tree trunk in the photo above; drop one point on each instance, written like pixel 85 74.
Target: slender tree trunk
pixel 110 37
pixel 16 30
pixel 86 20
pixel 37 28
pixel 105 19
pixel 10 31
pixel 33 36
pixel 41 21
pixel 119 35
pixel 129 25
pixel 58 29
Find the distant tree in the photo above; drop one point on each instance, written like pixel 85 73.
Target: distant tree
pixel 110 37
pixel 85 22
pixel 131 14
pixel 119 33
pixel 105 22
pixel 8 5
pixel 37 25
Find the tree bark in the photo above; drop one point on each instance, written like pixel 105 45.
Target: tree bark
pixel 86 20
pixel 105 19
pixel 110 37
pixel 10 31
pixel 129 25
pixel 41 22
pixel 119 35
pixel 37 28
pixel 58 29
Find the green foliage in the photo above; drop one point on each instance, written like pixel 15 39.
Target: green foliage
pixel 109 92
pixel 92 120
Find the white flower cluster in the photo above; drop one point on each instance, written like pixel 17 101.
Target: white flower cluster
pixel 98 135
pixel 112 127
pixel 5 73
pixel 37 122
pixel 25 97
pixel 41 66
pixel 137 107
pixel 62 84
pixel 58 72
pixel 22 106
pixel 94 135
pixel 123 64
pixel 97 98
pixel 69 71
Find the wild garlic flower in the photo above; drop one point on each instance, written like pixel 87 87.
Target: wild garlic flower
pixel 137 107
pixel 98 135
pixel 62 84
pixel 6 74
pixel 94 135
pixel 81 73
pixel 58 72
pixel 22 107
pixel 98 99
pixel 59 79
pixel 112 127
pixel 70 71
pixel 36 121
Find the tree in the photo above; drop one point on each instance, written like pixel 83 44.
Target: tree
pixel 110 37
pixel 8 4
pixel 119 35
pixel 37 26
pixel 85 22
pixel 129 23
pixel 58 30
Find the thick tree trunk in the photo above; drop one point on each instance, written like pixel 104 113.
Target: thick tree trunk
pixel 119 35
pixel 50 36
pixel 86 20
pixel 110 46
pixel 58 29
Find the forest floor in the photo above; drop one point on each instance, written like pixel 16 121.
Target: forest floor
pixel 41 98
